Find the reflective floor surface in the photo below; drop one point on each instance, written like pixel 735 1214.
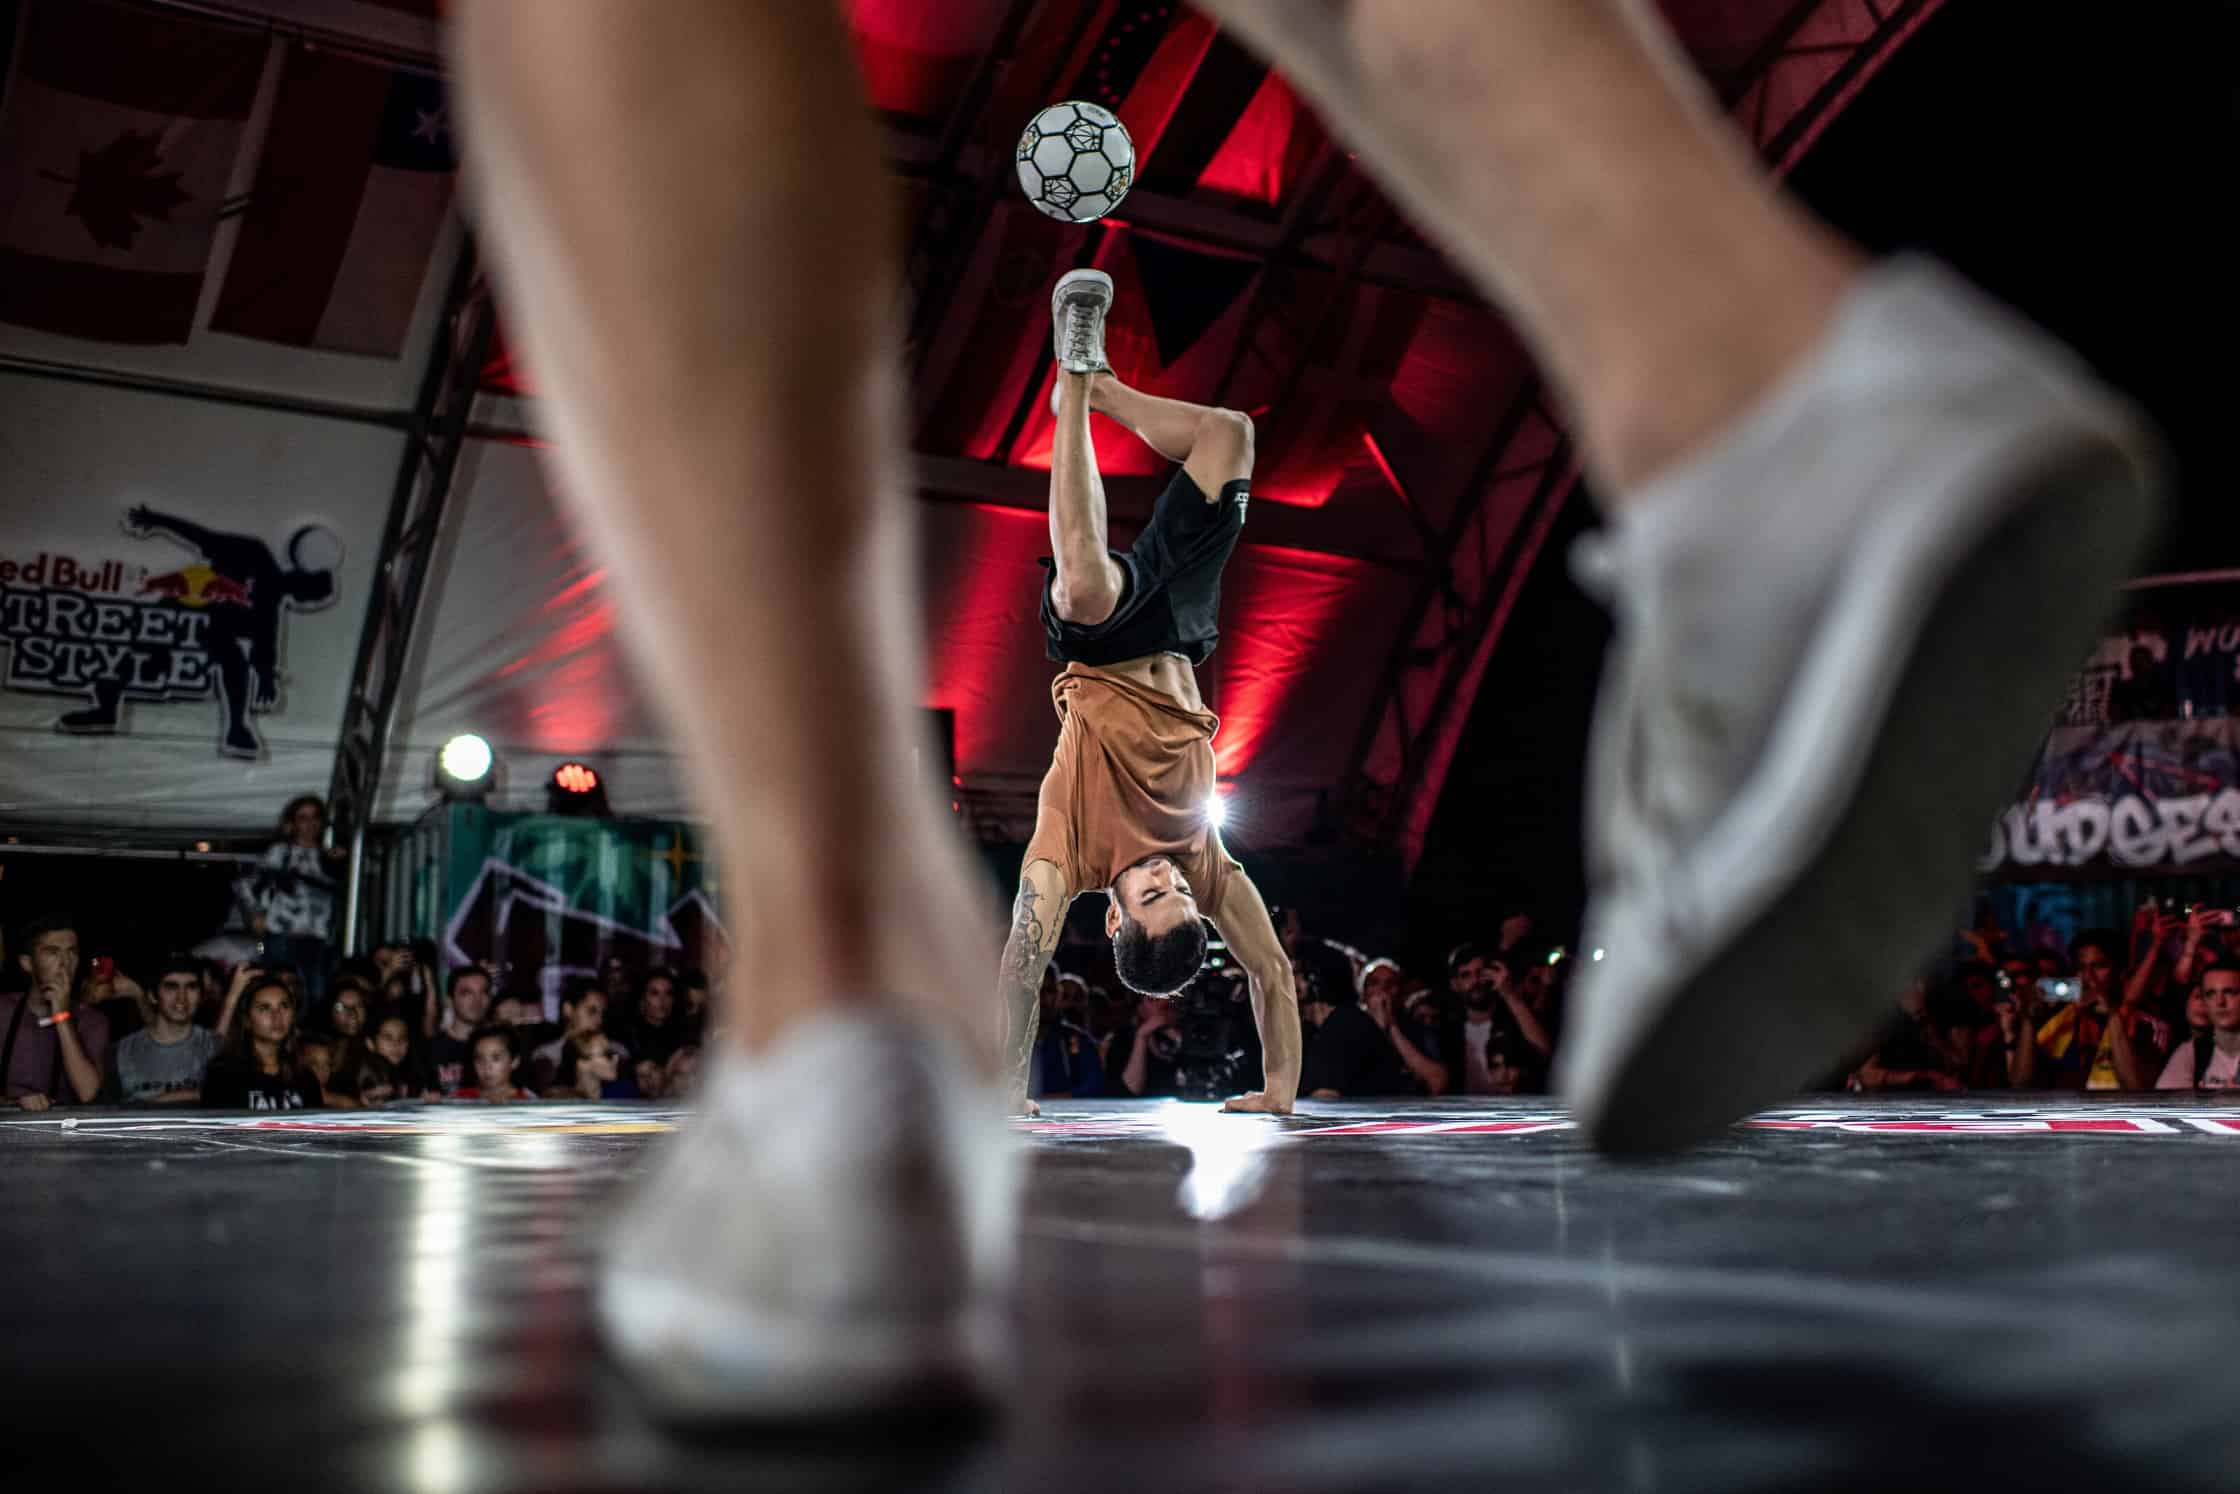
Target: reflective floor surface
pixel 1432 1296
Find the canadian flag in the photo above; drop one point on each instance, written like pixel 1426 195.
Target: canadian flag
pixel 121 132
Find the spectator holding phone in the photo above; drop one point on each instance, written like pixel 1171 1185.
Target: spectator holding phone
pixel 2210 1060
pixel 2009 1059
pixel 2104 1040
pixel 50 1048
pixel 108 990
pixel 1414 1045
pixel 163 1063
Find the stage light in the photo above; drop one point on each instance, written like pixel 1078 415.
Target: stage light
pixel 463 768
pixel 466 758
pixel 1217 810
pixel 1598 954
pixel 576 788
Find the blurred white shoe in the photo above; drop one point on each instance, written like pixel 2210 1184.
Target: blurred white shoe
pixel 1841 632
pixel 830 1234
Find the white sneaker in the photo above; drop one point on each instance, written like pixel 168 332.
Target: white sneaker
pixel 830 1234
pixel 1841 632
pixel 1078 303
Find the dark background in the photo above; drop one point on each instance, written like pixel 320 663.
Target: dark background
pixel 2073 159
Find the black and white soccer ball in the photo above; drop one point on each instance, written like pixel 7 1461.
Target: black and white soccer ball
pixel 1076 161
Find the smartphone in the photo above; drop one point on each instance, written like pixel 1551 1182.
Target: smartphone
pixel 2057 988
pixel 104 969
pixel 1556 956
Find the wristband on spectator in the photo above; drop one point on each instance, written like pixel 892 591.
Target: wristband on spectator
pixel 57 1018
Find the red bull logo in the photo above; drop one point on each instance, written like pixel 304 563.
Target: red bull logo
pixel 198 586
pixel 113 633
pixel 64 574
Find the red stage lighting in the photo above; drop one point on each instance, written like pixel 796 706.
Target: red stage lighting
pixel 575 789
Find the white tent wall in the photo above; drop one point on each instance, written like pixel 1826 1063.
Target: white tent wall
pixel 74 461
pixel 516 642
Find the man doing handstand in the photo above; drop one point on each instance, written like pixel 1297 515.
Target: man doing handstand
pixel 1123 807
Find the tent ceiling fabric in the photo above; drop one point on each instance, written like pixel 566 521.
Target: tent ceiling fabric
pixel 1407 462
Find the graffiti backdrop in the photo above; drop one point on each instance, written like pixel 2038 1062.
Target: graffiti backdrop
pixel 2142 768
pixel 547 898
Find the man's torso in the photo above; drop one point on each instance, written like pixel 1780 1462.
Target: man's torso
pixel 36 1066
pixel 1128 780
pixel 146 1068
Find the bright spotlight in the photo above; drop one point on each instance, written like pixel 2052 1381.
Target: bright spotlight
pixel 1598 954
pixel 1217 810
pixel 466 758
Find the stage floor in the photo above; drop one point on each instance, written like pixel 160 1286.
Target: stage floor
pixel 1896 1295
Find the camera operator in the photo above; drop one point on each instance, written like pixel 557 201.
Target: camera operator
pixel 1413 1041
pixel 1143 1055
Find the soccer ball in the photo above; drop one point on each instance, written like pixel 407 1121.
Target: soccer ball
pixel 1076 160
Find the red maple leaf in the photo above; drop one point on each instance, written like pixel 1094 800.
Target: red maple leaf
pixel 120 186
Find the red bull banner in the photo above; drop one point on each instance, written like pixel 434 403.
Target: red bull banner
pixel 195 613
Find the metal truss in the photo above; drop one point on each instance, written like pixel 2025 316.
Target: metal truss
pixel 1811 64
pixel 434 436
pixel 964 185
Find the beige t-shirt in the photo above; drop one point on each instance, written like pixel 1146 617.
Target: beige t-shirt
pixel 1130 778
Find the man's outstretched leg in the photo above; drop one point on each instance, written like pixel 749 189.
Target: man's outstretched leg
pixel 718 377
pixel 1864 525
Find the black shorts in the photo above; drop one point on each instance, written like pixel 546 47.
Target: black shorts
pixel 1170 582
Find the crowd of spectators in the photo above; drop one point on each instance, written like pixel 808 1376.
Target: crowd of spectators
pixel 1486 1023
pixel 2152 1007
pixel 393 1028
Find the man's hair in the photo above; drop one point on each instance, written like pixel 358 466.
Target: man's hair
pixel 460 973
pixel 1158 965
pixel 1461 955
pixel 1325 974
pixel 2107 941
pixel 660 972
pixel 177 963
pixel 28 937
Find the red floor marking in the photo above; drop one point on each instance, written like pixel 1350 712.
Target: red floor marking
pixel 1513 1128
pixel 1370 1128
pixel 2019 1126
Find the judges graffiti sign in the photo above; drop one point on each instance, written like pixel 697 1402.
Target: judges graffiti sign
pixel 202 624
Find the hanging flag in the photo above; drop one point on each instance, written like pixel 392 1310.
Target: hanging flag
pixel 342 223
pixel 121 132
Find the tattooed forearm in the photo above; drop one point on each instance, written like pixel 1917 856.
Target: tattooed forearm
pixel 1036 919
